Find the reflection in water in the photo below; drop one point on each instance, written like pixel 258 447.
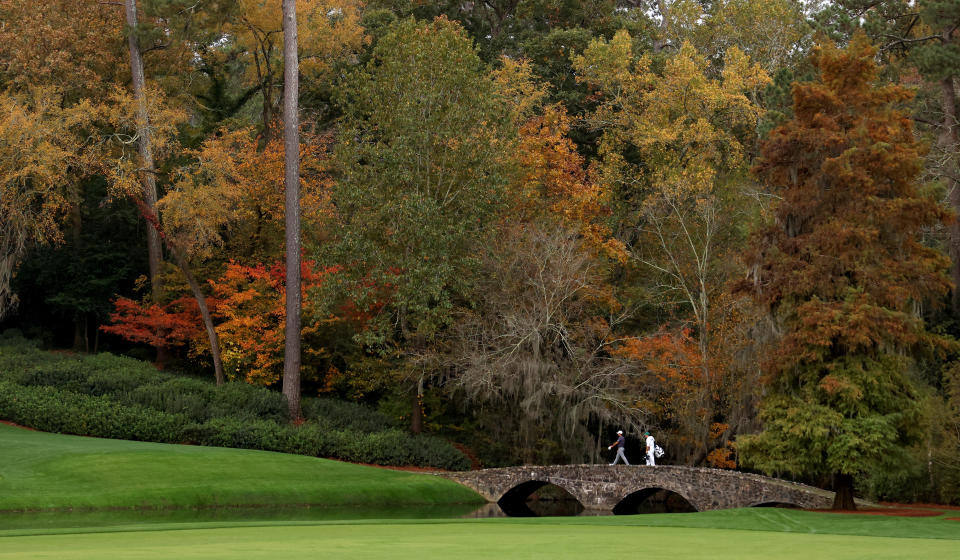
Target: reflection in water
pixel 545 501
pixel 553 501
pixel 135 517
pixel 487 510
pixel 541 499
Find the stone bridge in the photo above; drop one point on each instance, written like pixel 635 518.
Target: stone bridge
pixel 603 488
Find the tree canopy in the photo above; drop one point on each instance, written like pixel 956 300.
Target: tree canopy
pixel 518 224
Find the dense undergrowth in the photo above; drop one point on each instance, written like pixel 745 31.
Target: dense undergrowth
pixel 111 396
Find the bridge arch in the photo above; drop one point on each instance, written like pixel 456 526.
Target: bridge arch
pixel 514 502
pixel 654 500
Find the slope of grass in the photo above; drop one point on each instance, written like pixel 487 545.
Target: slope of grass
pixel 52 471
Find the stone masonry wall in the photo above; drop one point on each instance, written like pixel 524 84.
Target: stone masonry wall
pixel 601 487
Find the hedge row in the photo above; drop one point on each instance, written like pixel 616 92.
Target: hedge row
pixel 390 447
pixel 133 382
pixel 54 410
pixel 117 397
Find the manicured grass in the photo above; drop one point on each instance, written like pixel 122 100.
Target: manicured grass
pixel 52 471
pixel 39 470
pixel 794 521
pixel 513 538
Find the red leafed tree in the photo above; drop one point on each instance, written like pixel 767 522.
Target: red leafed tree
pixel 248 303
pixel 172 325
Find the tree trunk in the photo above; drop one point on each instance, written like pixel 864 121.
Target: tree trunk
pixel 76 241
pixel 843 487
pixel 212 336
pixel 78 334
pixel 416 417
pixel 661 42
pixel 148 173
pixel 180 259
pixel 291 147
pixel 947 142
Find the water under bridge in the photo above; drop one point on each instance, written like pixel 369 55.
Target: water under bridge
pixel 609 488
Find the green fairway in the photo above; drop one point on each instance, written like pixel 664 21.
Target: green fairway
pixel 52 471
pixel 587 538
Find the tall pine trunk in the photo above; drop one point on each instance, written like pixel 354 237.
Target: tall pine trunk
pixel 148 177
pixel 291 146
pixel 80 341
pixel 416 416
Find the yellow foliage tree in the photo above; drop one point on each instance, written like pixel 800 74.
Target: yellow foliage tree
pixel 328 31
pixel 76 45
pixel 43 153
pixel 670 153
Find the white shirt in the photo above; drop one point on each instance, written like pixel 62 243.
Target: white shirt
pixel 651 445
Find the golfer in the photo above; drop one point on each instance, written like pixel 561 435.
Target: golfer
pixel 620 443
pixel 651 446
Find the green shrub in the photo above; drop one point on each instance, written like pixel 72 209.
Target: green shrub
pixel 66 373
pixel 178 395
pixel 345 415
pixel 396 447
pixel 437 452
pixel 240 399
pixel 108 374
pixel 18 354
pixel 119 397
pixel 101 374
pixel 56 410
pixel 308 439
pixel 240 433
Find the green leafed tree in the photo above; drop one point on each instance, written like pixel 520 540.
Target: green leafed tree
pixel 843 273
pixel 422 162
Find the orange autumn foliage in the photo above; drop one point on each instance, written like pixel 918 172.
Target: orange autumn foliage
pixel 75 45
pixel 250 303
pixel 673 359
pixel 683 395
pixel 555 182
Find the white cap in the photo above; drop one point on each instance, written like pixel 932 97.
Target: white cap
pixel 620 432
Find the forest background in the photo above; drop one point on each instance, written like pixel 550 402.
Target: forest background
pixel 525 223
